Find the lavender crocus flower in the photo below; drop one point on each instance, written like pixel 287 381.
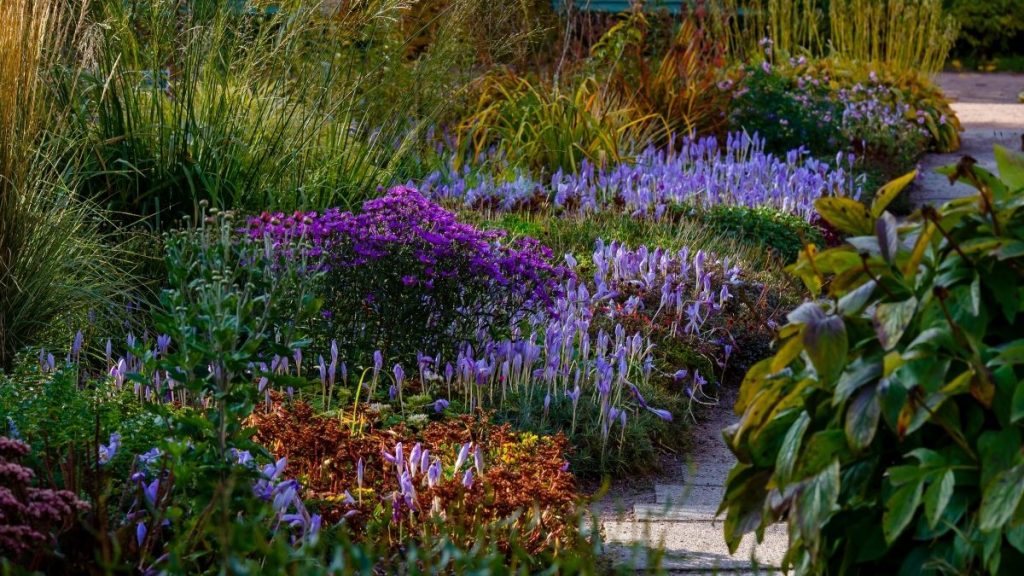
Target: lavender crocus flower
pixel 109 450
pixel 463 454
pixel 440 405
pixel 467 479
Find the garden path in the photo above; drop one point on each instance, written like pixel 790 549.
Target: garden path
pixel 990 111
pixel 676 515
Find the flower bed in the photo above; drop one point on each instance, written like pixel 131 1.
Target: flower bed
pixel 690 171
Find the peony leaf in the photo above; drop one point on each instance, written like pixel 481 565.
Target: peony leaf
pixel 891 321
pixel 1011 167
pixel 936 498
pixel 825 341
pixel 1000 498
pixel 862 418
pixel 899 510
pixel 845 214
pixel 887 193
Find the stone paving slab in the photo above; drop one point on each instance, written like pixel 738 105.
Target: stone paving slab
pixel 694 545
pixel 990 113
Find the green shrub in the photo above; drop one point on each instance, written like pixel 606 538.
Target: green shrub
pixel 781 232
pixel 990 28
pixel 888 426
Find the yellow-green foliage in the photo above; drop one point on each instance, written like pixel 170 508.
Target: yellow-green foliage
pixel 903 34
pixel 540 126
pixel 793 25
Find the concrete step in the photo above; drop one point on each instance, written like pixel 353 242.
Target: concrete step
pixel 693 547
pixel 676 494
pixel 682 503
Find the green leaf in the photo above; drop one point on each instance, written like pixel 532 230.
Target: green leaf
pixel 1011 354
pixel 1017 405
pixel 936 498
pixel 1015 536
pixel 845 214
pixel 891 321
pixel 822 447
pixel 790 449
pixel 1011 167
pixel 817 503
pixel 855 301
pixel 899 510
pixel 862 419
pixel 858 373
pixel 887 193
pixel 826 344
pixel 1000 498
pixel 888 237
pixel 976 296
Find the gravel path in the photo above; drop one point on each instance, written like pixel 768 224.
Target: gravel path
pixel 990 113
pixel 676 516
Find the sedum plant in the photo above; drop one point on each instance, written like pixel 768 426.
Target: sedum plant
pixel 887 428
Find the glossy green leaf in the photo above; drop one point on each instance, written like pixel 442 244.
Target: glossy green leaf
pixel 891 321
pixel 789 452
pixel 817 503
pixel 888 237
pixel 936 498
pixel 855 301
pixel 862 419
pixel 1000 498
pixel 845 214
pixel 887 193
pixel 826 344
pixel 860 372
pixel 1017 404
pixel 899 510
pixel 1011 167
pixel 1009 354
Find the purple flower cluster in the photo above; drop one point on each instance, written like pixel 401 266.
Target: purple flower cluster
pixel 691 170
pixel 404 222
pixel 420 469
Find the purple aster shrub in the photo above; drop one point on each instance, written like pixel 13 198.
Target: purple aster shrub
pixel 405 275
pixel 29 516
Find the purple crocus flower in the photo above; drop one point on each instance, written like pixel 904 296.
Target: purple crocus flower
pixel 109 450
pixel 150 490
pixel 467 479
pixel 478 459
pixel 440 405
pixel 140 532
pixel 463 454
pixel 434 474
pixel 163 343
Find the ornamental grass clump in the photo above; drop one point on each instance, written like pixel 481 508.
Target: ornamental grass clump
pixel 887 429
pixel 404 275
